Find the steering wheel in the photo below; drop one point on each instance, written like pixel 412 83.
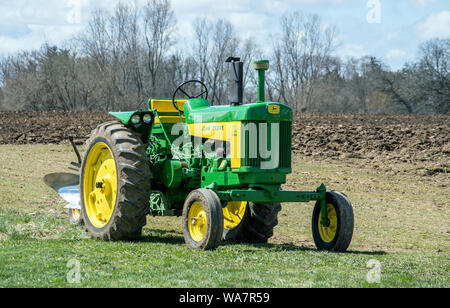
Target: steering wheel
pixel 180 89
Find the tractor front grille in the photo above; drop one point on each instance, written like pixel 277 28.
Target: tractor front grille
pixel 285 144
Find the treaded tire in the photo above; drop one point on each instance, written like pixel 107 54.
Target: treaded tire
pixel 233 234
pixel 345 223
pixel 213 208
pixel 257 225
pixel 133 187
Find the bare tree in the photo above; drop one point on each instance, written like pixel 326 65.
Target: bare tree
pixel 300 57
pixel 130 53
pixel 435 69
pixel 159 27
pixel 201 48
pixel 249 52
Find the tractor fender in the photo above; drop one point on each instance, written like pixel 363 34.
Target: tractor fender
pixel 125 117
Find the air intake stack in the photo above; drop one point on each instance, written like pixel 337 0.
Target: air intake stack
pixel 261 66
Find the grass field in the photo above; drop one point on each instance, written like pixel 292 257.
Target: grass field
pixel 402 221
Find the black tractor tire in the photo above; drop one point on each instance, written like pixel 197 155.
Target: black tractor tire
pixel 231 235
pixel 345 223
pixel 133 183
pixel 256 226
pixel 214 218
pixel 75 218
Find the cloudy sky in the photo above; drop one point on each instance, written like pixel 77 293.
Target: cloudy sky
pixel 389 29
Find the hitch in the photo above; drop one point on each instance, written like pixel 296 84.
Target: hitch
pixel 323 203
pixel 78 165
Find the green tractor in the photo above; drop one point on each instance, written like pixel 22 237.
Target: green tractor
pixel 218 167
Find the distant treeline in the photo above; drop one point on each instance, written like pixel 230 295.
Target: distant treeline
pixel 126 56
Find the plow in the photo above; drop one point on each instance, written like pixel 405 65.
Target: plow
pixel 219 168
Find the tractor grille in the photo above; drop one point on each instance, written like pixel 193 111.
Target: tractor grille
pixel 285 144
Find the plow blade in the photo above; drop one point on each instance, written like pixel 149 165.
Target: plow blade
pixel 66 185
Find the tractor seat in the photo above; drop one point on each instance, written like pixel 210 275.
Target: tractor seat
pixel 166 110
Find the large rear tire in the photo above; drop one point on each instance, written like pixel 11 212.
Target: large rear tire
pixel 115 183
pixel 257 224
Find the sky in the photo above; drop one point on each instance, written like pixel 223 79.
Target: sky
pixel 391 30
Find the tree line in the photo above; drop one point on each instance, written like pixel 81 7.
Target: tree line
pixel 125 56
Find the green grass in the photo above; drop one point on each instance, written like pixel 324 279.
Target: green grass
pixel 402 221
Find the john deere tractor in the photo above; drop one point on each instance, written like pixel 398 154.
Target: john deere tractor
pixel 218 167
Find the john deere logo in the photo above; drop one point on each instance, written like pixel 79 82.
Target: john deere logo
pixel 274 109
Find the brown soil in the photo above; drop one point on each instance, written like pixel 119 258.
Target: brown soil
pixel 48 127
pixel 406 138
pixel 403 138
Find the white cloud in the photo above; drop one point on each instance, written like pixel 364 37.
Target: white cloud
pixel 395 54
pixel 422 3
pixel 353 51
pixel 436 25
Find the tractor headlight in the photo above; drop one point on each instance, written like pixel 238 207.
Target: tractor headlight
pixel 147 119
pixel 136 119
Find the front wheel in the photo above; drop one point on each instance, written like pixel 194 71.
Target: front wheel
pixel 338 235
pixel 202 220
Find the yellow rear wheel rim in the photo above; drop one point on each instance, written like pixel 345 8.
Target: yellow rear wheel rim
pixel 233 214
pixel 100 185
pixel 327 234
pixel 198 222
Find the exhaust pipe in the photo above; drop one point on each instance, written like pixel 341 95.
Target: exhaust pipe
pixel 236 81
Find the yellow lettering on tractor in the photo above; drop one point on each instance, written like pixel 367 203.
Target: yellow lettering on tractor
pixel 224 131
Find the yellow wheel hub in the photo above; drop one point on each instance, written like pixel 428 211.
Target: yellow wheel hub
pixel 328 233
pixel 100 185
pixel 233 214
pixel 197 221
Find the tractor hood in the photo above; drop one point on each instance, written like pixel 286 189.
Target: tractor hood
pixel 199 110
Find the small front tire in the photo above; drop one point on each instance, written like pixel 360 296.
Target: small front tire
pixel 202 220
pixel 338 235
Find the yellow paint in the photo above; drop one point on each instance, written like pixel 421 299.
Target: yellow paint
pixel 274 109
pixel 197 221
pixel 233 214
pixel 100 185
pixel 76 214
pixel 328 233
pixel 169 119
pixel 223 131
pixel 223 164
pixel 166 106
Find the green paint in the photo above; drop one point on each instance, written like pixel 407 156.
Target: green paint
pixel 198 109
pixel 174 177
pixel 265 196
pixel 124 117
pixel 261 66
